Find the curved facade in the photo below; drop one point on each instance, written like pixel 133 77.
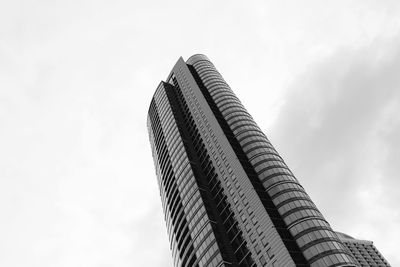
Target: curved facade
pixel 228 197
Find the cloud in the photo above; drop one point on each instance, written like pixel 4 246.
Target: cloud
pixel 77 182
pixel 339 133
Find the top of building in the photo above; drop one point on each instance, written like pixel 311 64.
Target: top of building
pixel 195 58
pixel 344 236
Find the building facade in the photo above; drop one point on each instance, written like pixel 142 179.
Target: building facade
pixel 363 251
pixel 228 197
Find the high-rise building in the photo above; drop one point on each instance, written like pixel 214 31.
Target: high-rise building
pixel 363 251
pixel 228 197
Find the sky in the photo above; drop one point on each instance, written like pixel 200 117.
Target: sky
pixel 77 181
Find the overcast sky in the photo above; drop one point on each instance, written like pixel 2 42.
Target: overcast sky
pixel 77 181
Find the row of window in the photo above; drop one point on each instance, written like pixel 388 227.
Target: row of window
pixel 271 171
pixel 205 240
pixel 196 214
pixel 169 179
pixel 366 254
pixel 244 212
pixel 160 145
pixel 214 184
pixel 174 200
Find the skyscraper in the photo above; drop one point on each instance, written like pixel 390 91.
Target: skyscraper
pixel 363 251
pixel 228 197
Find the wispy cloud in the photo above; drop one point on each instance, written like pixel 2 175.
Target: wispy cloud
pixel 77 182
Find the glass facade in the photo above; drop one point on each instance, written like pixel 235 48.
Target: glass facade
pixel 363 251
pixel 228 197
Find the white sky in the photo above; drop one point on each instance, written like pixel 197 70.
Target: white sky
pixel 77 182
